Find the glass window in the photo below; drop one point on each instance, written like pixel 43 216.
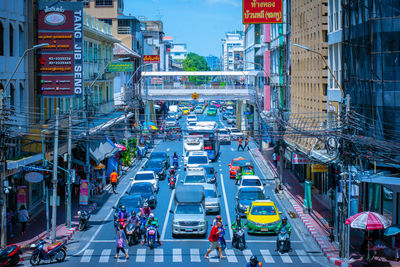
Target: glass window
pixel 90 52
pixel 95 53
pixel 21 41
pixel 86 3
pixel 11 40
pixel 85 51
pixel 263 210
pixel 387 203
pixel 21 97
pixel 104 2
pixel 374 196
pixel 108 21
pixel 100 55
pixel 1 39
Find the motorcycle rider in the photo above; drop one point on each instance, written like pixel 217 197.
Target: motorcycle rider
pixel 152 221
pixel 145 210
pixel 217 219
pixel 134 219
pixel 235 225
pixel 254 262
pixel 175 158
pixel 284 224
pixel 172 170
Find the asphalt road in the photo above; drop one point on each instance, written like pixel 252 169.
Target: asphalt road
pixel 97 244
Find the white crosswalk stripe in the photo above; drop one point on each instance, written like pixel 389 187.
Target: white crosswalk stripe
pixel 177 255
pixel 285 258
pixel 140 255
pixel 105 256
pixel 247 254
pixel 230 255
pixel 87 255
pixel 123 258
pixel 302 256
pixel 195 255
pixel 214 257
pixel 267 256
pixel 158 255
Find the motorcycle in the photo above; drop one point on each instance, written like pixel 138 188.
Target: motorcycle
pixel 238 240
pixel 57 251
pixel 283 241
pixel 175 163
pixel 84 217
pixel 132 234
pixel 9 256
pixel 142 225
pixel 151 236
pixel 172 182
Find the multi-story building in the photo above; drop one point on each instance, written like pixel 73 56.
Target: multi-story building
pixel 213 62
pixel 178 51
pixel 153 44
pixel 231 44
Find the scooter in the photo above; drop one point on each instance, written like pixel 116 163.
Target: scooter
pixel 56 251
pixel 84 217
pixel 172 182
pixel 238 240
pixel 132 234
pixel 9 256
pixel 283 241
pixel 151 236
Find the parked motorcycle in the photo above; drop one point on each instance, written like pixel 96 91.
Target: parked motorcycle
pixel 84 217
pixel 151 236
pixel 9 256
pixel 283 241
pixel 56 251
pixel 132 234
pixel 239 240
pixel 172 182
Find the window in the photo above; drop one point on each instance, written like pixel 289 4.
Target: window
pixel 108 21
pixel 95 53
pixel 12 95
pixel 104 2
pixel 21 41
pixel 85 52
pixel 86 3
pixel 105 54
pixel 21 97
pixel 100 57
pixel 11 40
pixel 1 39
pixel 90 52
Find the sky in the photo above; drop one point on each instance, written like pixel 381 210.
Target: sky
pixel 199 23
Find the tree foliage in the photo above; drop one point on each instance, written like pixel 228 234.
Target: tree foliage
pixel 195 62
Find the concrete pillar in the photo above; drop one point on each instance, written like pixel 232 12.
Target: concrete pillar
pixel 150 112
pixel 239 114
pixel 243 117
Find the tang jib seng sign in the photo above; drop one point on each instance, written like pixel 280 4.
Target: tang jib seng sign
pixel 262 11
pixel 60 65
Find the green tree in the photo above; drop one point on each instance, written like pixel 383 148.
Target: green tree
pixel 194 62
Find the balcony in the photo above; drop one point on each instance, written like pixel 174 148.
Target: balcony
pixel 124 30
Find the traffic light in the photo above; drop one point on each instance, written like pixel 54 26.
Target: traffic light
pixel 47 176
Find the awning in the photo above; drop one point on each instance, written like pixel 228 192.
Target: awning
pixel 381 179
pixel 15 164
pixel 101 150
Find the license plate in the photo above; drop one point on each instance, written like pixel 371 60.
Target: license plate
pixel 264 229
pixel 188 229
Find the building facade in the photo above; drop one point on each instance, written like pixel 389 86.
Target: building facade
pixel 178 51
pixel 213 62
pixel 231 44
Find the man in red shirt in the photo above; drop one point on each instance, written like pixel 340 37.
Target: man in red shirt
pixel 213 238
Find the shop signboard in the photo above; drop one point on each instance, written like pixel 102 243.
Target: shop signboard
pixel 151 58
pixel 33 177
pixel 60 65
pixel 84 192
pixel 319 168
pixel 120 67
pixel 155 81
pixel 262 11
pixel 297 159
pixel 21 196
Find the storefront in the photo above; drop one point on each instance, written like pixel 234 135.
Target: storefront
pixel 300 166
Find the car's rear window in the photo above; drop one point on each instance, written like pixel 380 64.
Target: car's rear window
pixel 197 160
pixel 144 176
pixel 195 179
pixel 251 182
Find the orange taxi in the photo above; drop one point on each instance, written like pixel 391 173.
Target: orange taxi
pixel 234 166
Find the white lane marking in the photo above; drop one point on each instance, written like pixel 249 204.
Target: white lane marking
pixel 141 255
pixel 214 256
pixel 176 255
pixel 220 169
pixel 285 258
pixel 247 254
pixel 267 256
pixel 195 255
pixel 108 215
pixel 105 255
pixel 226 205
pixel 164 229
pixel 87 255
pixel 302 256
pixel 123 259
pixel 158 255
pixel 230 255
pixel 232 149
pixel 220 165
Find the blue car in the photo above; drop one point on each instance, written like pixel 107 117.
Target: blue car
pixel 158 166
pixel 146 191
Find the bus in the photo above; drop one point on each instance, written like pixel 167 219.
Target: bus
pixel 207 129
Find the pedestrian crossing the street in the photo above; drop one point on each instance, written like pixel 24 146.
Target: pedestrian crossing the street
pixel 178 255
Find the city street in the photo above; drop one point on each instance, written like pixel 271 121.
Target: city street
pixel 97 244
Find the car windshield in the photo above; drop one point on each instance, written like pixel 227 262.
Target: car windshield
pixel 154 164
pixel 145 188
pixel 235 131
pixel 236 163
pixel 251 182
pixel 130 203
pixel 247 168
pixel 210 193
pixel 251 195
pixel 144 176
pixel 263 210
pixel 170 119
pixel 189 209
pixel 195 179
pixel 223 132
pixel 197 160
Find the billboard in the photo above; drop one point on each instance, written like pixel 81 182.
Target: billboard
pixel 120 67
pixel 151 58
pixel 60 65
pixel 262 11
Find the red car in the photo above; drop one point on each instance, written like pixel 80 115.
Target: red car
pixel 234 166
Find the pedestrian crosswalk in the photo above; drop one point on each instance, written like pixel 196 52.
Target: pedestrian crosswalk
pixel 179 255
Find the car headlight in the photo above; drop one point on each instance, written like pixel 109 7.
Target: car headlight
pixel 242 207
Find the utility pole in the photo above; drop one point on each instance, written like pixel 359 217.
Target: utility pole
pixel 54 207
pixel 3 172
pixel 69 167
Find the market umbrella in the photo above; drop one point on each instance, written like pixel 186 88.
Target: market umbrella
pixel 120 147
pixel 368 220
pixel 392 230
pixel 149 123
pixel 153 127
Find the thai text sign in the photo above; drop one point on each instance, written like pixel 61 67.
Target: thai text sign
pixel 319 168
pixel 84 192
pixel 262 11
pixel 297 159
pixel 120 67
pixel 151 58
pixel 61 25
pixel 21 196
pixel 33 177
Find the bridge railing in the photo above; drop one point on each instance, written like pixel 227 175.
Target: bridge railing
pixel 199 87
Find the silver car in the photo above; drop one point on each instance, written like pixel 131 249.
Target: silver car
pixel 224 136
pixel 212 199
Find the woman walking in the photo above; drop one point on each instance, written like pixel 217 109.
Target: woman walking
pixel 121 241
pixel 23 218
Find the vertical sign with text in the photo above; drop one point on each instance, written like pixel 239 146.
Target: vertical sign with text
pixel 60 71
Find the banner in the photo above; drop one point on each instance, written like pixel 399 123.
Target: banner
pixel 120 67
pixel 297 159
pixel 319 168
pixel 84 192
pixel 60 65
pixel 151 58
pixel 21 196
pixel 262 11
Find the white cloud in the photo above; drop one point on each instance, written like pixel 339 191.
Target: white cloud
pixel 229 2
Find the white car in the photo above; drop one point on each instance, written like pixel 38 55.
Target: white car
pixel 146 176
pixel 195 176
pixel 197 159
pixel 251 181
pixel 170 122
pixel 191 117
pixel 235 133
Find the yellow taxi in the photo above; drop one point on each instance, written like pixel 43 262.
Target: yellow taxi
pixel 262 217
pixel 185 110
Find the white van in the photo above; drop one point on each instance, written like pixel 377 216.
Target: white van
pixel 191 143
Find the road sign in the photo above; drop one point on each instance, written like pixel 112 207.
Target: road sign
pixel 195 95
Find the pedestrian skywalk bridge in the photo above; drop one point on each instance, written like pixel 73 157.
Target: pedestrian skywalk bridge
pixel 195 255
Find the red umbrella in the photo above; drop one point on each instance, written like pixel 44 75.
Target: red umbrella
pixel 368 220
